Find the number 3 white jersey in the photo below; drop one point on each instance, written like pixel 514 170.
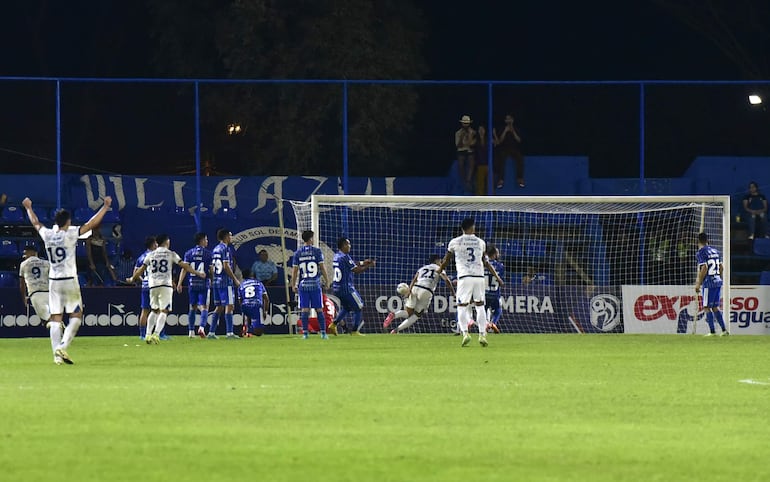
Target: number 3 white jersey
pixel 60 246
pixel 469 252
pixel 35 273
pixel 159 266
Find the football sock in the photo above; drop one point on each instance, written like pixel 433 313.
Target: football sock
pixel 303 319
pixel 54 329
pixel 204 318
pixel 229 323
pixel 710 320
pixel 151 323
pixel 407 323
pixel 160 322
pixel 720 320
pixel 341 315
pixel 191 319
pixel 462 319
pixel 481 319
pixel 400 314
pixel 214 322
pixel 142 331
pixel 357 317
pixel 69 333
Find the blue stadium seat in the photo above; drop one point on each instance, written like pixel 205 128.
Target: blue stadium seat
pixel 8 247
pixel 80 249
pixel 8 279
pixel 536 248
pixel 13 214
pixel 764 278
pixel 762 247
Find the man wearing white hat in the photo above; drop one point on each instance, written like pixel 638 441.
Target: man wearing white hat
pixel 465 141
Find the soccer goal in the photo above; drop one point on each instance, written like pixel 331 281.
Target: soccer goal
pixel 615 264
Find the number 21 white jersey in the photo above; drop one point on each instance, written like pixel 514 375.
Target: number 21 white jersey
pixel 160 263
pixel 469 251
pixel 60 246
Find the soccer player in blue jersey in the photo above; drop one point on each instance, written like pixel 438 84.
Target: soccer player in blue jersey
pixel 492 293
pixel 350 299
pixel 254 303
pixel 709 283
pixel 199 257
pixel 149 244
pixel 222 286
pixel 307 275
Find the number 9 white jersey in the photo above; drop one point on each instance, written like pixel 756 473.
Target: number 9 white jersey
pixel 160 264
pixel 60 246
pixel 469 252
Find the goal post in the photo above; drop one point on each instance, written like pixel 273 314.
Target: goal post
pixel 585 264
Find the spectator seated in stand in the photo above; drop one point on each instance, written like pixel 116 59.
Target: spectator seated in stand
pixel 755 209
pixel 264 269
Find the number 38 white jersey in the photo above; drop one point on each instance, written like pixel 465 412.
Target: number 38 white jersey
pixel 159 266
pixel 469 252
pixel 60 246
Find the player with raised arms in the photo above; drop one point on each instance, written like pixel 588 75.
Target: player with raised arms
pixel 350 299
pixel 198 290
pixel 254 304
pixel 63 287
pixel 33 283
pixel 160 263
pixel 421 290
pixel 469 253
pixel 223 281
pixel 307 275
pixel 709 283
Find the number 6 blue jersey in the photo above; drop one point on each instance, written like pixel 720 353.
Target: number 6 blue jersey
pixel 308 261
pixel 710 257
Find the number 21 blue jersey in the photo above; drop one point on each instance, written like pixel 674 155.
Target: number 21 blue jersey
pixel 710 257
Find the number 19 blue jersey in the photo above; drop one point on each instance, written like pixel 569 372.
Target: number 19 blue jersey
pixel 308 261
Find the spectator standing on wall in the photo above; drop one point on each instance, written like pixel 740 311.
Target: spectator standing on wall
pixel 508 144
pixel 465 142
pixel 755 205
pixel 101 271
pixel 482 162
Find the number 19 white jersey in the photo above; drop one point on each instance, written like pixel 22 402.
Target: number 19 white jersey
pixel 469 252
pixel 159 266
pixel 60 246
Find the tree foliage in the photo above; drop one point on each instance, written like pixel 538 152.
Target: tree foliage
pixel 297 128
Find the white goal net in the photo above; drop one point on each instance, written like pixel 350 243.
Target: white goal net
pixel 572 264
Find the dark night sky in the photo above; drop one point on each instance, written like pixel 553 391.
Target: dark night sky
pixel 544 40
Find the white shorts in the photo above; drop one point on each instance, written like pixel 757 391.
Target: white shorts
pixel 419 299
pixel 64 296
pixel 470 289
pixel 161 298
pixel 39 300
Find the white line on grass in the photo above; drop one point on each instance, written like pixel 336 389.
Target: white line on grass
pixel 749 381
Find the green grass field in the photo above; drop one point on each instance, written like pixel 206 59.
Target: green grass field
pixel 528 408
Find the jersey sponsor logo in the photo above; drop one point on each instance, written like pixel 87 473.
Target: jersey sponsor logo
pixel 605 312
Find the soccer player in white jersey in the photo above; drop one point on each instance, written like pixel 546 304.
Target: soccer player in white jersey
pixel 421 290
pixel 63 287
pixel 469 253
pixel 33 283
pixel 160 263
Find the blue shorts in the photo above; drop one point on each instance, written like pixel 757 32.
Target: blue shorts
pixel 145 304
pixel 254 313
pixel 199 296
pixel 310 298
pixel 493 303
pixel 224 296
pixel 711 296
pixel 351 301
